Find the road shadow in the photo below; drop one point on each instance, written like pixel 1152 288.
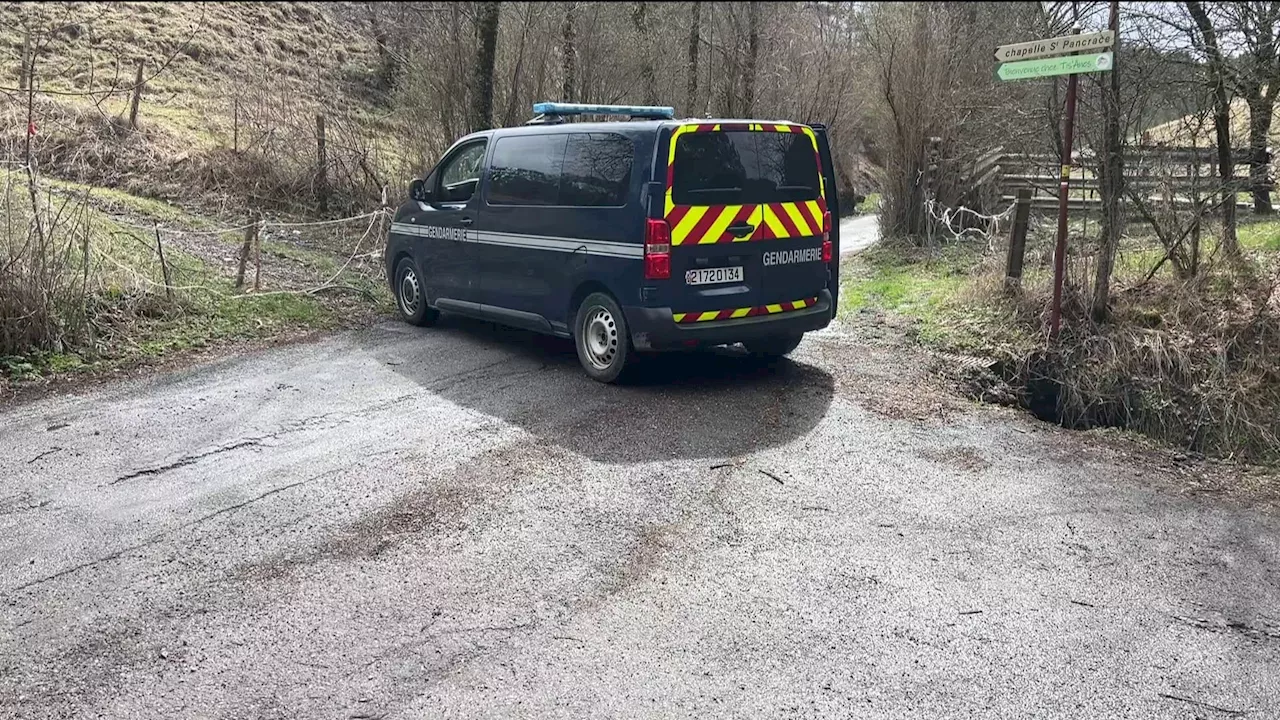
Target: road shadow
pixel 708 404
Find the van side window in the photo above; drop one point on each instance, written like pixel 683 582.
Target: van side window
pixel 526 170
pixel 460 176
pixel 597 170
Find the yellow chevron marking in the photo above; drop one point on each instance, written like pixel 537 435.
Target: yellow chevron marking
pixel 678 317
pixel 822 181
pixel 815 210
pixel 741 312
pixel 775 225
pixel 801 226
pixel 680 233
pixel 799 304
pixel 773 308
pixel 721 224
pixel 708 316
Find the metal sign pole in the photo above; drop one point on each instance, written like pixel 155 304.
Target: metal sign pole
pixel 1064 189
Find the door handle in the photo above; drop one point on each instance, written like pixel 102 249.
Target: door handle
pixel 465 221
pixel 741 229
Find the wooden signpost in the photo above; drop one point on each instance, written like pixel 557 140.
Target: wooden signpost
pixel 1049 58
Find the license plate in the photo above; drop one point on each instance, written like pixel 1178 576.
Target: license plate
pixel 713 276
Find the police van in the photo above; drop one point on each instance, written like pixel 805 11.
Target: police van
pixel 629 236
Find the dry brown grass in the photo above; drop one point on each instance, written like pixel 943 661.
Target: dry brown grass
pixel 1193 363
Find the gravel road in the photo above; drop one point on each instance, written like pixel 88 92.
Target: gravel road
pixel 405 523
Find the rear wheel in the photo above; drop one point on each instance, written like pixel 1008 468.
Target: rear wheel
pixel 602 338
pixel 773 347
pixel 411 296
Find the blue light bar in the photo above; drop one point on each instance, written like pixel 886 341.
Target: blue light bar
pixel 654 112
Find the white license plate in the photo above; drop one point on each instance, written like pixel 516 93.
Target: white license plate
pixel 713 276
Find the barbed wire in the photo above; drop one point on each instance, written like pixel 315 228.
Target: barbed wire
pixel 950 215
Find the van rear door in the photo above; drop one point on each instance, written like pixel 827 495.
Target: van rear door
pixel 745 203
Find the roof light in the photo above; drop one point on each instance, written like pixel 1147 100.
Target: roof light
pixel 654 112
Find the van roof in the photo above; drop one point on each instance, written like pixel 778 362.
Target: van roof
pixel 630 127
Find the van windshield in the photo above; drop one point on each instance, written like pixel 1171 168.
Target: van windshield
pixel 741 168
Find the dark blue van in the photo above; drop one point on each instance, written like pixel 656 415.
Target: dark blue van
pixel 628 236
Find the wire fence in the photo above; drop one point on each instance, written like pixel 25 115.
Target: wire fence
pixel 301 257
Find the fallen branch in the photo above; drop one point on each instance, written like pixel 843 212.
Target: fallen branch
pixel 1206 705
pixel 769 474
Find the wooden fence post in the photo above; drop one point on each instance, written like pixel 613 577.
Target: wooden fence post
pixel 257 253
pixel 164 267
pixel 244 251
pixel 1018 240
pixel 322 165
pixel 137 97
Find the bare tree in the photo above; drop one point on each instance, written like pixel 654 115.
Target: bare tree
pixel 482 83
pixel 691 66
pixel 1207 39
pixel 568 53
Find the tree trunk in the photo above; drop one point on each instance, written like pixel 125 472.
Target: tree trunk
pixel 569 55
pixel 1261 106
pixel 691 70
pixel 1221 126
pixel 753 55
pixel 648 81
pixel 1111 187
pixel 482 97
pixel 509 117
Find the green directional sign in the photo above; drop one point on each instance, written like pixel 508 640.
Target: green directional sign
pixel 1048 67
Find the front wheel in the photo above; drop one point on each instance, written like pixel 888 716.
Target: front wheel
pixel 773 347
pixel 411 296
pixel 602 338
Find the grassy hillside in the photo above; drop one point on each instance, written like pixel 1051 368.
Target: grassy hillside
pixel 226 124
pixel 229 104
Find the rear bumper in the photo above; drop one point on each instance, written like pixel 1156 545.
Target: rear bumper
pixel 654 328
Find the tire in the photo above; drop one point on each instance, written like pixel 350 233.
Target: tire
pixel 773 347
pixel 602 338
pixel 411 296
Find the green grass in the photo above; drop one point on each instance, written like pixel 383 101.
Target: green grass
pixel 936 294
pixel 870 204
pixel 136 322
pixel 1261 236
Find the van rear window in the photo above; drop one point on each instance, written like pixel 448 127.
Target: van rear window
pixel 739 168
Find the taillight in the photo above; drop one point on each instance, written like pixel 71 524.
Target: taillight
pixel 826 236
pixel 657 250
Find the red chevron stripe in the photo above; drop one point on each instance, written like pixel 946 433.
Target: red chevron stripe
pixel 785 219
pixel 815 224
pixel 677 214
pixel 725 314
pixel 763 231
pixel 744 213
pixel 704 224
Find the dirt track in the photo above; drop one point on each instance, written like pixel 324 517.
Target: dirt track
pixel 402 523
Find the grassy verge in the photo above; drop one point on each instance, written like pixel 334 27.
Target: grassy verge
pixel 112 311
pixel 1188 361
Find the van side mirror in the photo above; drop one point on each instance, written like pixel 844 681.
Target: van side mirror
pixel 418 191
